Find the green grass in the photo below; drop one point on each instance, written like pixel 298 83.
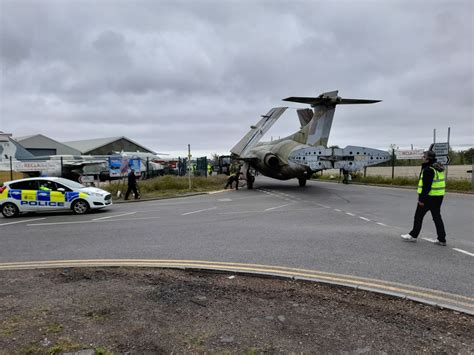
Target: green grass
pixel 54 328
pixel 170 185
pixel 451 185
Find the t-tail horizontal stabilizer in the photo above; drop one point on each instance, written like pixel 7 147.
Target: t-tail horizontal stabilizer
pixel 329 99
pixel 350 158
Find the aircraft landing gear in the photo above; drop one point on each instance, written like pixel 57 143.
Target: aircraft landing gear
pixel 302 181
pixel 250 180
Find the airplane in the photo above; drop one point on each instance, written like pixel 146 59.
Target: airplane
pixel 304 152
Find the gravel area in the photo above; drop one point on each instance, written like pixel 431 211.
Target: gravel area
pixel 137 311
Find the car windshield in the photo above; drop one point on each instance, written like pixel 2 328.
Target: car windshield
pixel 71 184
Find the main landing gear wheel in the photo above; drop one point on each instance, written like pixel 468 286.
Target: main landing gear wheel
pixel 10 210
pixel 80 207
pixel 302 181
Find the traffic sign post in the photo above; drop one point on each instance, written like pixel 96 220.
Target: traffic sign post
pixel 440 148
pixel 442 152
pixel 444 159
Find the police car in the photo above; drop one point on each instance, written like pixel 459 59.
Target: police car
pixel 46 194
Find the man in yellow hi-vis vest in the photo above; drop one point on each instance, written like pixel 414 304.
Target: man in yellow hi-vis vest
pixel 431 190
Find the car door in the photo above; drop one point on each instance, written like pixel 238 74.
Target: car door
pixel 25 194
pixel 59 196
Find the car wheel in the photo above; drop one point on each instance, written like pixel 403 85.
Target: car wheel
pixel 80 207
pixel 10 210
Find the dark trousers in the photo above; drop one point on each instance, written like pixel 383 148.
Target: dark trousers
pixel 433 204
pixel 230 180
pixel 130 189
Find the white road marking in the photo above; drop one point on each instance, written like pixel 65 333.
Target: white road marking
pixel 365 219
pixel 198 211
pixel 89 222
pixel 323 205
pixel 381 224
pixel 131 219
pixel 224 200
pixel 337 210
pixel 274 208
pixel 429 240
pixel 114 216
pixel 22 221
pixel 464 252
pixel 350 214
pixel 58 223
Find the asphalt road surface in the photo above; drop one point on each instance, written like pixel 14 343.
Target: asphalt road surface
pixel 346 229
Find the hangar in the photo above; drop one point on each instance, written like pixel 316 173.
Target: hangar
pixel 108 146
pixel 40 145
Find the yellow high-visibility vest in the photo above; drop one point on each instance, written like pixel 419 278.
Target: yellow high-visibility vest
pixel 438 187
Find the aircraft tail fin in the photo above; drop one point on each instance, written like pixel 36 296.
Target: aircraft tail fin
pixel 324 106
pixel 305 116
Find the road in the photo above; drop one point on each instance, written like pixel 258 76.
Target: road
pixel 346 229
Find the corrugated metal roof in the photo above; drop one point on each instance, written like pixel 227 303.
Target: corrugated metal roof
pixel 87 145
pixel 40 141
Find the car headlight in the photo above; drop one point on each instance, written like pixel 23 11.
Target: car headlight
pixel 95 194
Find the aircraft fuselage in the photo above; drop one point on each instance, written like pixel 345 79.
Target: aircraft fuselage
pixel 272 160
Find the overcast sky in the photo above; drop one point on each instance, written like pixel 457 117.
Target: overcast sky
pixel 169 73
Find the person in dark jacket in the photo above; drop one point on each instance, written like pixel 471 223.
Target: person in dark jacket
pixel 234 177
pixel 132 185
pixel 431 191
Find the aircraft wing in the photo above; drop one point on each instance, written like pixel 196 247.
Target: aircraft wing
pixel 256 133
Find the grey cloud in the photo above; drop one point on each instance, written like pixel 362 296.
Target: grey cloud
pixel 172 72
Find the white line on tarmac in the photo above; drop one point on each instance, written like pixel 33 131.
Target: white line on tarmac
pixel 274 208
pixel 337 210
pixel 365 219
pixel 319 204
pixel 464 252
pixel 382 224
pixel 58 223
pixel 131 219
pixel 22 221
pixel 429 240
pixel 350 214
pixel 198 211
pixel 89 222
pixel 264 211
pixel 117 215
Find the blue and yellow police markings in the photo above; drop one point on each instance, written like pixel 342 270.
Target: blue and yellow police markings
pixel 43 198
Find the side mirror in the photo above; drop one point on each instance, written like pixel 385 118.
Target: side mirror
pixel 62 190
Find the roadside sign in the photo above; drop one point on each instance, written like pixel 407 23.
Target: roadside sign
pixel 443 159
pixel 440 148
pixel 409 154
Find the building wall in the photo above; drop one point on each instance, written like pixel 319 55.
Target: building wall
pixel 42 151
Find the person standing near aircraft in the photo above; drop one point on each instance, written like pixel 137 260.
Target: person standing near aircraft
pixel 132 185
pixel 234 176
pixel 431 191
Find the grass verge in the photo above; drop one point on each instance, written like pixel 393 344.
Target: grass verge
pixel 451 185
pixel 169 185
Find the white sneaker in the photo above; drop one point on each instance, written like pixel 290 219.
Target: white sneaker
pixel 408 238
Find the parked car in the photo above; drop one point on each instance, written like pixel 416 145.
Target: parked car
pixel 50 193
